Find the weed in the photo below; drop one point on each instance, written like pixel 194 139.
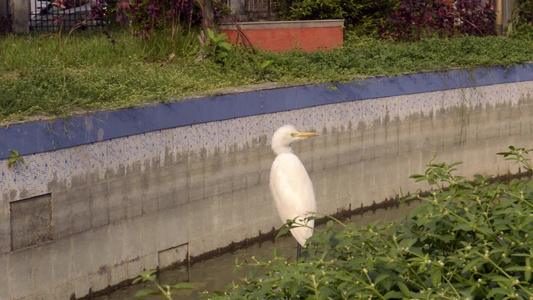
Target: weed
pixel 216 47
pixel 162 289
pixel 14 158
pixel 471 239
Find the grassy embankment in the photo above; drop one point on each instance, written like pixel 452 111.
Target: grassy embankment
pixel 55 75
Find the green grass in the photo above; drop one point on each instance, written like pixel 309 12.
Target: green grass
pixel 54 75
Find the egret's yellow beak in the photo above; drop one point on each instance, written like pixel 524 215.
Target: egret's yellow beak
pixel 304 134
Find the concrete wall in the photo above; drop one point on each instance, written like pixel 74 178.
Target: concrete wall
pixel 98 199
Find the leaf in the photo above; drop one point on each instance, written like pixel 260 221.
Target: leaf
pixel 499 291
pixel 283 231
pixel 222 37
pixel 206 48
pixel 479 177
pixel 146 276
pixel 502 280
pixel 226 46
pixel 14 158
pixel 183 286
pixel 210 34
pixel 293 288
pixel 404 289
pixel 381 277
pixel 393 295
pixel 418 177
pixel 252 272
pixel 417 210
pixel 436 275
pixel 146 292
pixel 478 262
pixel 266 63
pixel 486 230
pixel 462 226
pixel 526 221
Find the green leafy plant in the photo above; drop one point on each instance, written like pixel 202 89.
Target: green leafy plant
pixel 216 46
pixel 162 289
pixel 470 239
pixel 518 155
pixel 14 158
pixel 521 22
pixel 263 67
pixel 362 14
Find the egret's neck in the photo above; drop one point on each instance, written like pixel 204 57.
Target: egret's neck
pixel 280 148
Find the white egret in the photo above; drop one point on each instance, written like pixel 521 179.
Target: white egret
pixel 290 184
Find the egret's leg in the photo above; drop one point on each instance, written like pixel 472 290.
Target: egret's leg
pixel 298 250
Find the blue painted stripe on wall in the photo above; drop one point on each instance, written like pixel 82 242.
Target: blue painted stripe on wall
pixel 46 136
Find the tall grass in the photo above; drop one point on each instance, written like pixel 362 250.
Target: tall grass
pixel 55 75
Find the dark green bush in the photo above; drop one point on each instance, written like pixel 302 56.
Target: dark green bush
pixel 525 11
pixel 472 239
pixel 367 15
pixel 521 23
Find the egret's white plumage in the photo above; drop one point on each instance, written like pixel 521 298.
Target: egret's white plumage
pixel 290 184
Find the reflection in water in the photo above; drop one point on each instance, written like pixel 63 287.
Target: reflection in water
pixel 213 274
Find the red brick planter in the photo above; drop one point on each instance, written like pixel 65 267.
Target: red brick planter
pixel 278 36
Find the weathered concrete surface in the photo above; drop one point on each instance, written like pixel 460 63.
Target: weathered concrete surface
pixel 146 201
pixel 20 11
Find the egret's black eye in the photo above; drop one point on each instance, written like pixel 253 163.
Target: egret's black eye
pixel 293 134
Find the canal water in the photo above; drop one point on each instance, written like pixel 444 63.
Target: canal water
pixel 215 273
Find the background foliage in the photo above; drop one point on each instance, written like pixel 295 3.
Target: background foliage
pixel 147 15
pixel 398 19
pixel 472 239
pixel 57 74
pixel 415 19
pixel 521 22
pixel 366 16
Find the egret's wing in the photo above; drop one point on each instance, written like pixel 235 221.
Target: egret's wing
pixel 293 192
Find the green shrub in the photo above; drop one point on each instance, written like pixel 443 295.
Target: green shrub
pixel 525 11
pixel 366 16
pixel 216 47
pixel 521 22
pixel 472 239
